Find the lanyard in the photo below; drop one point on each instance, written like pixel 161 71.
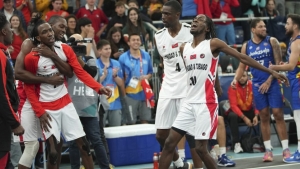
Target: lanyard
pixel 141 64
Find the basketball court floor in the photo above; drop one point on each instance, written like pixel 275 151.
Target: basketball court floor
pixel 243 161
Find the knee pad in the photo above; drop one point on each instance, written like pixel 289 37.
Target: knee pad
pixel 86 146
pixel 30 151
pixel 191 141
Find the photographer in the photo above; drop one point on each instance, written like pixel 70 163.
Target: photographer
pixel 86 103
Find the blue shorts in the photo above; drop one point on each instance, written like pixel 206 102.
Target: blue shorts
pixel 273 98
pixel 295 93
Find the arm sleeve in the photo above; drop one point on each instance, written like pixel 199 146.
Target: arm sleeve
pixel 31 63
pixel 41 5
pixel 7 112
pixel 214 6
pixel 233 102
pixel 78 70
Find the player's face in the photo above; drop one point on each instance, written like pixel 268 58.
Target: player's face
pixel 134 42
pixel 8 35
pixel 59 29
pixel 198 25
pixel 46 35
pixel 116 37
pixel 105 51
pixel 244 79
pixel 260 30
pixel 289 27
pixel 169 17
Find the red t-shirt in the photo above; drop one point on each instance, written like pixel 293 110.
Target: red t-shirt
pixel 16 44
pixel 49 14
pixel 97 17
pixel 25 10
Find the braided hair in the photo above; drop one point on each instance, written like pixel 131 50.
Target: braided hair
pixel 34 33
pixel 211 26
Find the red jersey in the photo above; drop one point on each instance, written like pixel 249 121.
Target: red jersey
pixel 45 96
pixel 16 44
pixel 97 17
pixel 49 14
pixel 217 8
pixel 25 10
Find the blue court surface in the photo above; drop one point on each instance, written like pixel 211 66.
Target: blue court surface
pixel 243 161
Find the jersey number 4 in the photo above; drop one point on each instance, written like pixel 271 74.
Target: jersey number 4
pixel 193 80
pixel 177 67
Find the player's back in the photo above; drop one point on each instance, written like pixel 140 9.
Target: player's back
pixel 295 73
pixel 173 85
pixel 263 54
pixel 201 68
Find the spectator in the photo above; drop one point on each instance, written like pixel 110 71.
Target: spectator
pixel 87 31
pixel 81 3
pixel 31 23
pixel 136 65
pixel 95 14
pixel 55 8
pixel 293 6
pixel 112 77
pixel 26 7
pixel 117 42
pixel 10 123
pixel 71 29
pixel 240 109
pixel 134 4
pixel 119 20
pixel 189 9
pixel 270 9
pixel 9 10
pixel 86 104
pixel 154 9
pixel 225 29
pixel 19 35
pixel 136 25
pixel 43 6
pixel 71 6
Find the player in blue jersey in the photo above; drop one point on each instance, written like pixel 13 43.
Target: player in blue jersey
pixel 293 67
pixel 266 90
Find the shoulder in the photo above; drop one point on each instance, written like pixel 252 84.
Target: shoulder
pixel 114 62
pixel 273 40
pixel 186 25
pixel 122 57
pixel 146 54
pixel 161 31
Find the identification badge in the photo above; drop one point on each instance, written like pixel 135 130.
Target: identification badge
pixel 224 16
pixel 89 91
pixel 133 82
pixel 226 106
pixel 112 88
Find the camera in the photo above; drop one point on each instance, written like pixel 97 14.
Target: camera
pixel 80 50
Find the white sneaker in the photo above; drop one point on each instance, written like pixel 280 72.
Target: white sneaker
pixel 215 152
pixel 238 148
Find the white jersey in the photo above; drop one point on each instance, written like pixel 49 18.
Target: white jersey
pixel 173 85
pixel 201 68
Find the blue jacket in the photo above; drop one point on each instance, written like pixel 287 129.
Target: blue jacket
pixel 21 16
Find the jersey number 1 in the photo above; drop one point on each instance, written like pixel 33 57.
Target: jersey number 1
pixel 177 67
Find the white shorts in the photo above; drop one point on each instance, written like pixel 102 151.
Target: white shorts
pixel 166 112
pixel 198 119
pixel 65 121
pixel 30 122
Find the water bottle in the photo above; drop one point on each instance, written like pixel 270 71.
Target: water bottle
pixel 155 161
pixel 229 69
pixel 219 69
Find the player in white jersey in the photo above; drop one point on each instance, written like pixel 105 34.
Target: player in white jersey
pixel 173 90
pixel 199 113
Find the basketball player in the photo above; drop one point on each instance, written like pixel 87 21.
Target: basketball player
pixel 293 67
pixel 173 90
pixel 266 89
pixel 199 112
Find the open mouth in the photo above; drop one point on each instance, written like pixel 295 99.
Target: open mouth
pixel 52 39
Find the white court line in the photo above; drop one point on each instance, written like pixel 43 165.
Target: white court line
pixel 274 166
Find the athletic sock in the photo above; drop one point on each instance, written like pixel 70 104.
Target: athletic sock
pixel 222 150
pixel 181 153
pixel 178 162
pixel 285 144
pixel 268 144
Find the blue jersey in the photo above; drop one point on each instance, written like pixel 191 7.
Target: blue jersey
pixel 263 54
pixel 294 74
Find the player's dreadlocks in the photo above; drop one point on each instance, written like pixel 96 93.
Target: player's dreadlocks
pixel 211 26
pixel 3 20
pixel 34 33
